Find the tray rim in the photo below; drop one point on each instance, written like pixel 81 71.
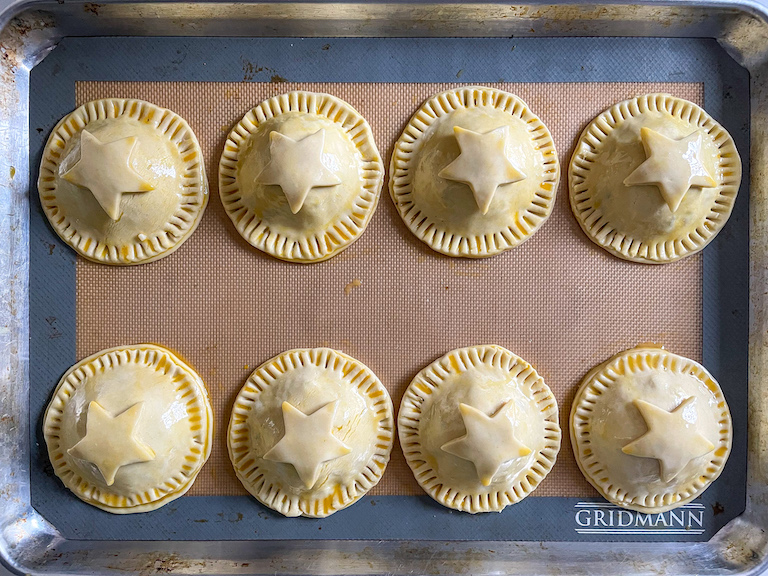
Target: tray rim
pixel 28 544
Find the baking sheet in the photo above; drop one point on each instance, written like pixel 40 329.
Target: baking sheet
pixel 557 301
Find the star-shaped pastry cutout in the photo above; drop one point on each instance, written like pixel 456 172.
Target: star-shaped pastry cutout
pixel 483 164
pixel 297 167
pixel 109 442
pixel 308 441
pixel 672 438
pixel 488 443
pixel 105 169
pixel 673 166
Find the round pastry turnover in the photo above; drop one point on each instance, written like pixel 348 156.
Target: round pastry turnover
pixel 129 428
pixel 654 179
pixel 650 429
pixel 123 181
pixel 479 429
pixel 474 173
pixel 300 176
pixel 311 432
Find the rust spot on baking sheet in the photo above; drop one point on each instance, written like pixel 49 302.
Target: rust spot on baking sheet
pixel 250 70
pixel 92 8
pixel 13 50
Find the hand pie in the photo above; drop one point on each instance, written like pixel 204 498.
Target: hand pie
pixel 123 181
pixel 129 428
pixel 311 432
pixel 479 429
pixel 300 176
pixel 650 429
pixel 474 173
pixel 654 179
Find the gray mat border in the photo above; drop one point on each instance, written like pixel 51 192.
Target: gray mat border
pixel 52 266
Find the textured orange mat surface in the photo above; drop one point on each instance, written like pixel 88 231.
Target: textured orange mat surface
pixel 558 300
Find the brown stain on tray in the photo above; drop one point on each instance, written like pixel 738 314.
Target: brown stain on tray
pixel 558 301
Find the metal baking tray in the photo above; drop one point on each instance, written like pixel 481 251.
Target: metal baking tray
pixel 29 544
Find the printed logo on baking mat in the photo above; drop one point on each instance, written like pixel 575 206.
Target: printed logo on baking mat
pixel 604 518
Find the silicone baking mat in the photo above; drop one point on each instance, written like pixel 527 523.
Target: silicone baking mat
pixel 558 301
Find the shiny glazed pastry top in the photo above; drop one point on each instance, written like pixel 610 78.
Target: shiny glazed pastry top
pixel 650 429
pixel 479 429
pixel 654 179
pixel 474 173
pixel 300 176
pixel 123 181
pixel 129 428
pixel 311 432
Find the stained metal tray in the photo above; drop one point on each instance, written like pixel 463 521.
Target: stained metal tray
pixel 30 29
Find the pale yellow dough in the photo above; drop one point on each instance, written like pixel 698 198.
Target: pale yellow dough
pixel 300 176
pixel 474 173
pixel 129 428
pixel 479 429
pixel 311 432
pixel 123 181
pixel 654 179
pixel 650 429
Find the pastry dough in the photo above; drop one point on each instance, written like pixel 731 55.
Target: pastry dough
pixel 654 179
pixel 129 428
pixel 300 176
pixel 474 173
pixel 311 432
pixel 479 429
pixel 123 181
pixel 650 429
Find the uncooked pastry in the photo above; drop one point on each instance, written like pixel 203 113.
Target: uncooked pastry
pixel 654 179
pixel 123 181
pixel 474 173
pixel 311 432
pixel 650 429
pixel 129 428
pixel 479 429
pixel 300 176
